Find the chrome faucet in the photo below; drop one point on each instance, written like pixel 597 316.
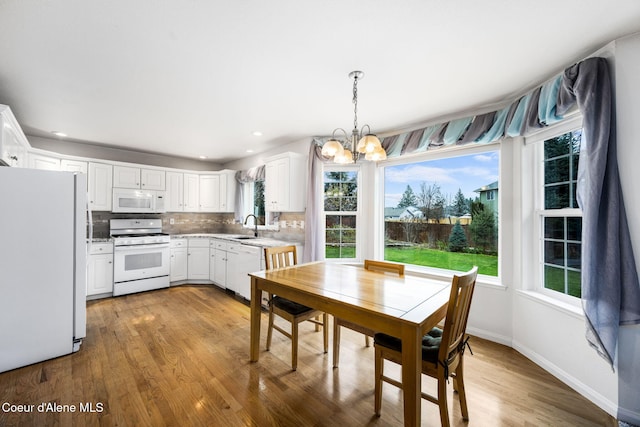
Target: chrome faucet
pixel 255 222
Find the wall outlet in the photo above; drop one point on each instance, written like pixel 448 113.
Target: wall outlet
pixel 172 221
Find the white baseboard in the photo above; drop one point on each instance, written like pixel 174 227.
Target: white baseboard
pixel 598 399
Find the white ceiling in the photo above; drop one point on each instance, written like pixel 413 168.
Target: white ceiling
pixel 197 77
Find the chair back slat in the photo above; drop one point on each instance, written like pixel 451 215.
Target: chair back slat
pixel 455 323
pixel 384 266
pixel 280 256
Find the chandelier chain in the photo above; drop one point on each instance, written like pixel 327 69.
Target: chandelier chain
pixel 355 102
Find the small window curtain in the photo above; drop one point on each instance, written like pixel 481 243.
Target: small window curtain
pixel 610 287
pixel 314 237
pixel 249 175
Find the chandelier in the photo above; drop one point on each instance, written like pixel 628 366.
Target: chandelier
pixel 351 148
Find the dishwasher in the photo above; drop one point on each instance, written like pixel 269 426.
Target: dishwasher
pixel 242 260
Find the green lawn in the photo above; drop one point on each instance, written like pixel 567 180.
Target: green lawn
pixel 487 264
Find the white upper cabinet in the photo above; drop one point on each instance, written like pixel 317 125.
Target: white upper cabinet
pixel 73 166
pixel 191 192
pixel 131 177
pixel 100 186
pixel 152 179
pixel 175 192
pixel 217 191
pixel 285 183
pixel 13 143
pixel 39 161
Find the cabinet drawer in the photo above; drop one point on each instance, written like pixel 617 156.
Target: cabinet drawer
pixel 101 248
pixel 179 243
pixel 219 244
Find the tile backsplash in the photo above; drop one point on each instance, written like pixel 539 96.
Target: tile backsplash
pixel 291 225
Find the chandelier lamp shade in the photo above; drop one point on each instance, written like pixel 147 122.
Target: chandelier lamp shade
pixel 350 148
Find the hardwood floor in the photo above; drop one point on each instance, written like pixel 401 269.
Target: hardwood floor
pixel 180 357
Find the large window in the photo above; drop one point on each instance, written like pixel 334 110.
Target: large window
pixel 443 212
pixel 341 213
pixel 560 217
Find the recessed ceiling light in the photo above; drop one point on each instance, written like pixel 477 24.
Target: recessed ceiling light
pixel 60 134
pixel 202 157
pixel 249 150
pixel 257 133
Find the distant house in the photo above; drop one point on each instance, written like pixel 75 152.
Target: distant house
pixel 489 195
pixel 403 214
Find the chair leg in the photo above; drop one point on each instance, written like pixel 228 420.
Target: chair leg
pixel 325 331
pixel 442 401
pixel 316 325
pixel 336 343
pixel 294 345
pixel 367 342
pixel 270 329
pixel 379 367
pixel 462 396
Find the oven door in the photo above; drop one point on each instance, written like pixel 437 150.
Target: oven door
pixel 140 262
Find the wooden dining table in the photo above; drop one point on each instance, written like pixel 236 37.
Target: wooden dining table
pixel 406 307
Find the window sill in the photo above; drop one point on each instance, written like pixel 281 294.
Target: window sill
pixel 433 273
pixel 567 308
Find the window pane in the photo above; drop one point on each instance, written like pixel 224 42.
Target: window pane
pixel 562 254
pixel 443 213
pixel 557 196
pixel 341 199
pixel 556 170
pixel 554 228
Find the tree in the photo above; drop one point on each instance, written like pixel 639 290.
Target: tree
pixel 408 198
pixel 430 201
pixel 457 238
pixel 460 206
pixel 483 230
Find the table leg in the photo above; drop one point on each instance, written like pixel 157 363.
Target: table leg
pixel 256 297
pixel 411 375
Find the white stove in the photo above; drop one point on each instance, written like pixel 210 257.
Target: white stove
pixel 141 255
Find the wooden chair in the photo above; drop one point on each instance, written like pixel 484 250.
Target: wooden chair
pixel 294 313
pixel 442 350
pixel 382 266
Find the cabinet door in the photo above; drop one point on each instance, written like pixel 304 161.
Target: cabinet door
pixel 38 161
pixel 152 179
pixel 198 264
pixel 175 192
pixel 220 276
pixel 100 186
pixel 209 193
pixel 73 166
pixel 100 274
pixel 13 143
pixel 126 177
pixel 191 192
pixel 178 264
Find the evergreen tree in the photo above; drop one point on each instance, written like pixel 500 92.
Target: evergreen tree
pixel 457 239
pixel 460 206
pixel 408 198
pixel 483 230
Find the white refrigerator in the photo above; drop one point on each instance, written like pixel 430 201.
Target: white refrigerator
pixel 43 265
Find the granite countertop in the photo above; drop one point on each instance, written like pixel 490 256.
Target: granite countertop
pixel 237 238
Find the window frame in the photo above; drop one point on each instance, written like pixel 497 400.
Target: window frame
pixel 443 153
pixel 330 167
pixel 536 141
pixel 271 218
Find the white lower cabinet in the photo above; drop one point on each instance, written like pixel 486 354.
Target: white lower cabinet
pixel 178 260
pixel 198 259
pixel 220 260
pixel 100 269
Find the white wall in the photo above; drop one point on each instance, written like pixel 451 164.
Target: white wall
pixel 627 70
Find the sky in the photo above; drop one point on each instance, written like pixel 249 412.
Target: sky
pixel 467 173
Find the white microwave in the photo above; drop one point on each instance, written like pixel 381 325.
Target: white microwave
pixel 127 200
